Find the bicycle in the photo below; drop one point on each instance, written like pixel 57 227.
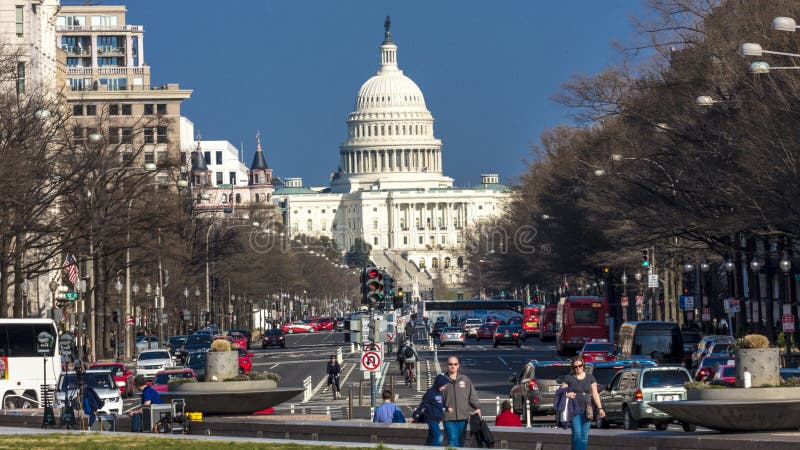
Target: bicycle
pixel 411 374
pixel 333 382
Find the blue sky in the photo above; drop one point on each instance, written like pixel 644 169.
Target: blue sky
pixel 487 69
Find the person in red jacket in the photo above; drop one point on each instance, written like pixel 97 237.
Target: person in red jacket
pixel 507 418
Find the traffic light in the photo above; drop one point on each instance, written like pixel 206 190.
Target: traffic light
pixel 372 287
pixel 645 257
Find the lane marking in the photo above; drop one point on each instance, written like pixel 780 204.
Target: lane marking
pixel 502 360
pixel 276 365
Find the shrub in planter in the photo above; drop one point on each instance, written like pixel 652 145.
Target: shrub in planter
pixel 220 345
pixel 754 355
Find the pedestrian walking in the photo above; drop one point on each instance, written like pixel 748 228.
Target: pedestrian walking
pixel 461 401
pixel 149 397
pixel 334 370
pixel 507 418
pixel 432 409
pixel 582 387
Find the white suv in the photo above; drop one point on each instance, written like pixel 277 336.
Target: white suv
pixel 151 362
pixel 471 327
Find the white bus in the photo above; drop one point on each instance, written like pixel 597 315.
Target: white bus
pixel 21 366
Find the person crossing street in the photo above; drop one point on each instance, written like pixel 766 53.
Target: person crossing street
pixel 334 370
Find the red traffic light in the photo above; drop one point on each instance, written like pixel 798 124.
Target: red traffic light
pixel 374 273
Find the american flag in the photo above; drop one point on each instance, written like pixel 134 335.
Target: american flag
pixel 71 267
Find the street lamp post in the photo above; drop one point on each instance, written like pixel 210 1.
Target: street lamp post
pixel 786 267
pixel 638 277
pixel 624 279
pixel 197 300
pixel 118 341
pixel 755 267
pixel 185 310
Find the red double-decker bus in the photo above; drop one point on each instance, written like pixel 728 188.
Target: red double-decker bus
pixel 582 319
pixel 531 319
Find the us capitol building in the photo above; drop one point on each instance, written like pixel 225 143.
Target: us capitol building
pixel 390 189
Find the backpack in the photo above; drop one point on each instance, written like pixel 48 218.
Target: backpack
pixel 398 416
pixel 418 415
pixel 408 352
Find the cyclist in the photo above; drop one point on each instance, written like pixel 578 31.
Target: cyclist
pixel 410 357
pixel 333 376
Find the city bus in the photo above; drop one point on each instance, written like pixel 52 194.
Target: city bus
pixel 582 319
pixel 455 311
pixel 22 368
pixel 532 319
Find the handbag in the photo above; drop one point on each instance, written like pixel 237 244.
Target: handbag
pixel 398 416
pixel 418 415
pixel 565 413
pixel 589 410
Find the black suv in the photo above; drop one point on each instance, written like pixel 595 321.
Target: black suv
pixel 507 335
pixel 273 336
pixel 538 381
pixel 438 326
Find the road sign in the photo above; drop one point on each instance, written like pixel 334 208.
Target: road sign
pixel 370 361
pixel 706 314
pixel 688 302
pixel 731 305
pixel 374 347
pixel 652 281
pixel 70 296
pixel 788 323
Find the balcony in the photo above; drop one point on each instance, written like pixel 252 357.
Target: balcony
pixel 107 70
pixel 99 28
pixel 111 51
pixel 77 51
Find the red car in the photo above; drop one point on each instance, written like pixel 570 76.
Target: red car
pixel 245 363
pixel 725 373
pixel 161 381
pixel 708 365
pixel 325 324
pixel 486 331
pixel 238 339
pixel 122 376
pixel 297 326
pixel 598 352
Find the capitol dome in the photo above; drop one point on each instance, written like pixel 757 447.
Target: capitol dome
pixel 390 141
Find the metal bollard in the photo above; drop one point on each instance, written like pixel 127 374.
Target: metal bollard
pixel 360 389
pixel 497 406
pixel 528 412
pixel 328 410
pixel 391 385
pixel 350 403
pixel 417 370
pixel 339 358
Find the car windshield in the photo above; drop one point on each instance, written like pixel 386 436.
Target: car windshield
pixel 113 369
pixel 656 378
pixel 508 329
pixel 723 347
pixel 198 339
pixel 648 344
pixel 273 332
pixel 153 355
pixel 603 375
pixel 95 380
pixel 196 359
pixel 163 378
pixel 439 325
pixel 452 330
pixel 177 341
pixel 608 348
pixel 585 316
pixel 550 372
pixel 711 362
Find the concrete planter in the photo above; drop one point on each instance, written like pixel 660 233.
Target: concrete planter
pixel 222 365
pixel 226 386
pixel 763 365
pixel 744 395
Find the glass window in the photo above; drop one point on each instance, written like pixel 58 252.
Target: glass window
pixel 162 135
pixel 375 240
pixel 148 109
pixel 127 135
pixel 161 108
pixel 218 157
pixel 148 135
pixel 20 77
pixel 207 157
pixel 374 224
pixel 126 109
pixel 657 378
pixel 20 22
pixel 91 110
pixel 232 178
pixel 22 339
pixel 113 135
pixel 77 110
pixel 113 110
pixel 585 316
pixel 310 225
pixel 219 178
pixel 149 158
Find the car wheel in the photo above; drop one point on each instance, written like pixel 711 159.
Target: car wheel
pixel 662 426
pixel 628 422
pixel 689 427
pixel 601 423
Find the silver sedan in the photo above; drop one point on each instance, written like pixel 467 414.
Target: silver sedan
pixel 452 335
